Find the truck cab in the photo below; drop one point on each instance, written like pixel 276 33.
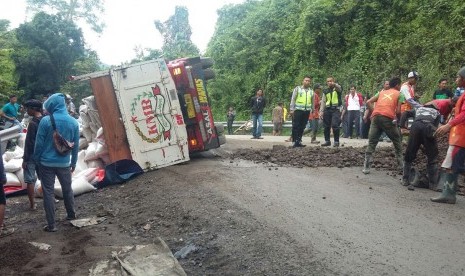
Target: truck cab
pixel 190 76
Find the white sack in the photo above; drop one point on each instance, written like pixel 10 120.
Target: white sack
pixel 13 165
pixel 91 152
pixel 97 163
pixel 80 185
pixel 12 180
pixel 83 143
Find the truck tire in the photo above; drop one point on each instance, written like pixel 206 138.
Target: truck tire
pixel 221 134
pixel 206 62
pixel 208 74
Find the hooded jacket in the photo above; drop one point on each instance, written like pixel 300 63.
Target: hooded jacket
pixel 44 150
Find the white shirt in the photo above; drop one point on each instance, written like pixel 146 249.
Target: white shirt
pixel 353 102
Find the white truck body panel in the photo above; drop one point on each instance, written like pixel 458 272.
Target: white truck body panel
pixel 151 114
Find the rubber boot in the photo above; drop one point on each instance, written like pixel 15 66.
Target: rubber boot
pixel 406 173
pixel 441 180
pixel 314 141
pixel 400 162
pixel 448 191
pixel 433 176
pixel 367 164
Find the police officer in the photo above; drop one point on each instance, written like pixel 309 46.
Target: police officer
pixel 331 110
pixel 300 108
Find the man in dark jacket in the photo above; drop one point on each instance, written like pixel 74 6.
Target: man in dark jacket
pixel 257 104
pixel 422 131
pixel 33 109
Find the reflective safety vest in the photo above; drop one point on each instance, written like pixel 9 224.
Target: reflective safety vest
pixel 332 99
pixel 303 99
pixel 386 104
pixel 457 133
pixel 406 106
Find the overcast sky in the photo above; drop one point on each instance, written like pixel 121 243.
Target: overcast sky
pixel 131 23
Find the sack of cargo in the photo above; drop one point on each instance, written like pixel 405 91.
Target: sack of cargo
pixel 12 180
pixel 79 185
pixel 13 165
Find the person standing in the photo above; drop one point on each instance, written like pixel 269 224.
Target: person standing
pixel 10 112
pixel 277 118
pixel 426 122
pixel 344 124
pixel 354 101
pixel 384 118
pixel 230 116
pixel 408 106
pixel 257 104
pixel 330 110
pixel 314 119
pixel 70 106
pixel 365 119
pixel 456 127
pixel 3 231
pixel 442 92
pixel 53 164
pixel 33 109
pixel 300 108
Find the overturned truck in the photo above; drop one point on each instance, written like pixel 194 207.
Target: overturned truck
pixel 156 113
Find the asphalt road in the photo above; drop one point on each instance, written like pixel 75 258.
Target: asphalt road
pixel 357 224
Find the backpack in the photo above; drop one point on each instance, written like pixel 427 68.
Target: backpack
pixel 62 146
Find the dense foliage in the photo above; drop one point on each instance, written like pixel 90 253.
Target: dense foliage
pixel 176 33
pixel 272 44
pixel 47 49
pixel 89 11
pixel 7 67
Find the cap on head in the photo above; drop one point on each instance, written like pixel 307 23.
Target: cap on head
pixel 317 86
pixel 412 74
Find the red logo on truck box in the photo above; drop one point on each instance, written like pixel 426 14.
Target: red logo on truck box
pixel 152 125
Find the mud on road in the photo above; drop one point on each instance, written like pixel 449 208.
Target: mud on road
pixel 253 210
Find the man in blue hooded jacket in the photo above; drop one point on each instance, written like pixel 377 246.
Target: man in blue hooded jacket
pixel 51 162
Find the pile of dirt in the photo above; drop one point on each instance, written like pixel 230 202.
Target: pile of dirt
pixel 22 251
pixel 383 159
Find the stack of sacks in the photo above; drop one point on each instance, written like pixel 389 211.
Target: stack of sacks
pixel 95 155
pixel 12 161
pixel 83 182
pixel 89 118
pixel 92 158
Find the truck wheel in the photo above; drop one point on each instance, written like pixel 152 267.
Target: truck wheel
pixel 206 62
pixel 220 133
pixel 222 139
pixel 219 129
pixel 208 74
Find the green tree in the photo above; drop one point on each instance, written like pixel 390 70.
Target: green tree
pixel 7 67
pixel 47 50
pixel 80 89
pixel 273 43
pixel 90 11
pixel 176 33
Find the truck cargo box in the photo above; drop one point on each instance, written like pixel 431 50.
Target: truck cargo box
pixel 140 113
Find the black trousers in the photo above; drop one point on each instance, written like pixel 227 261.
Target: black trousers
pixel 230 127
pixel 403 122
pixel 299 122
pixel 421 133
pixel 353 117
pixel 331 119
